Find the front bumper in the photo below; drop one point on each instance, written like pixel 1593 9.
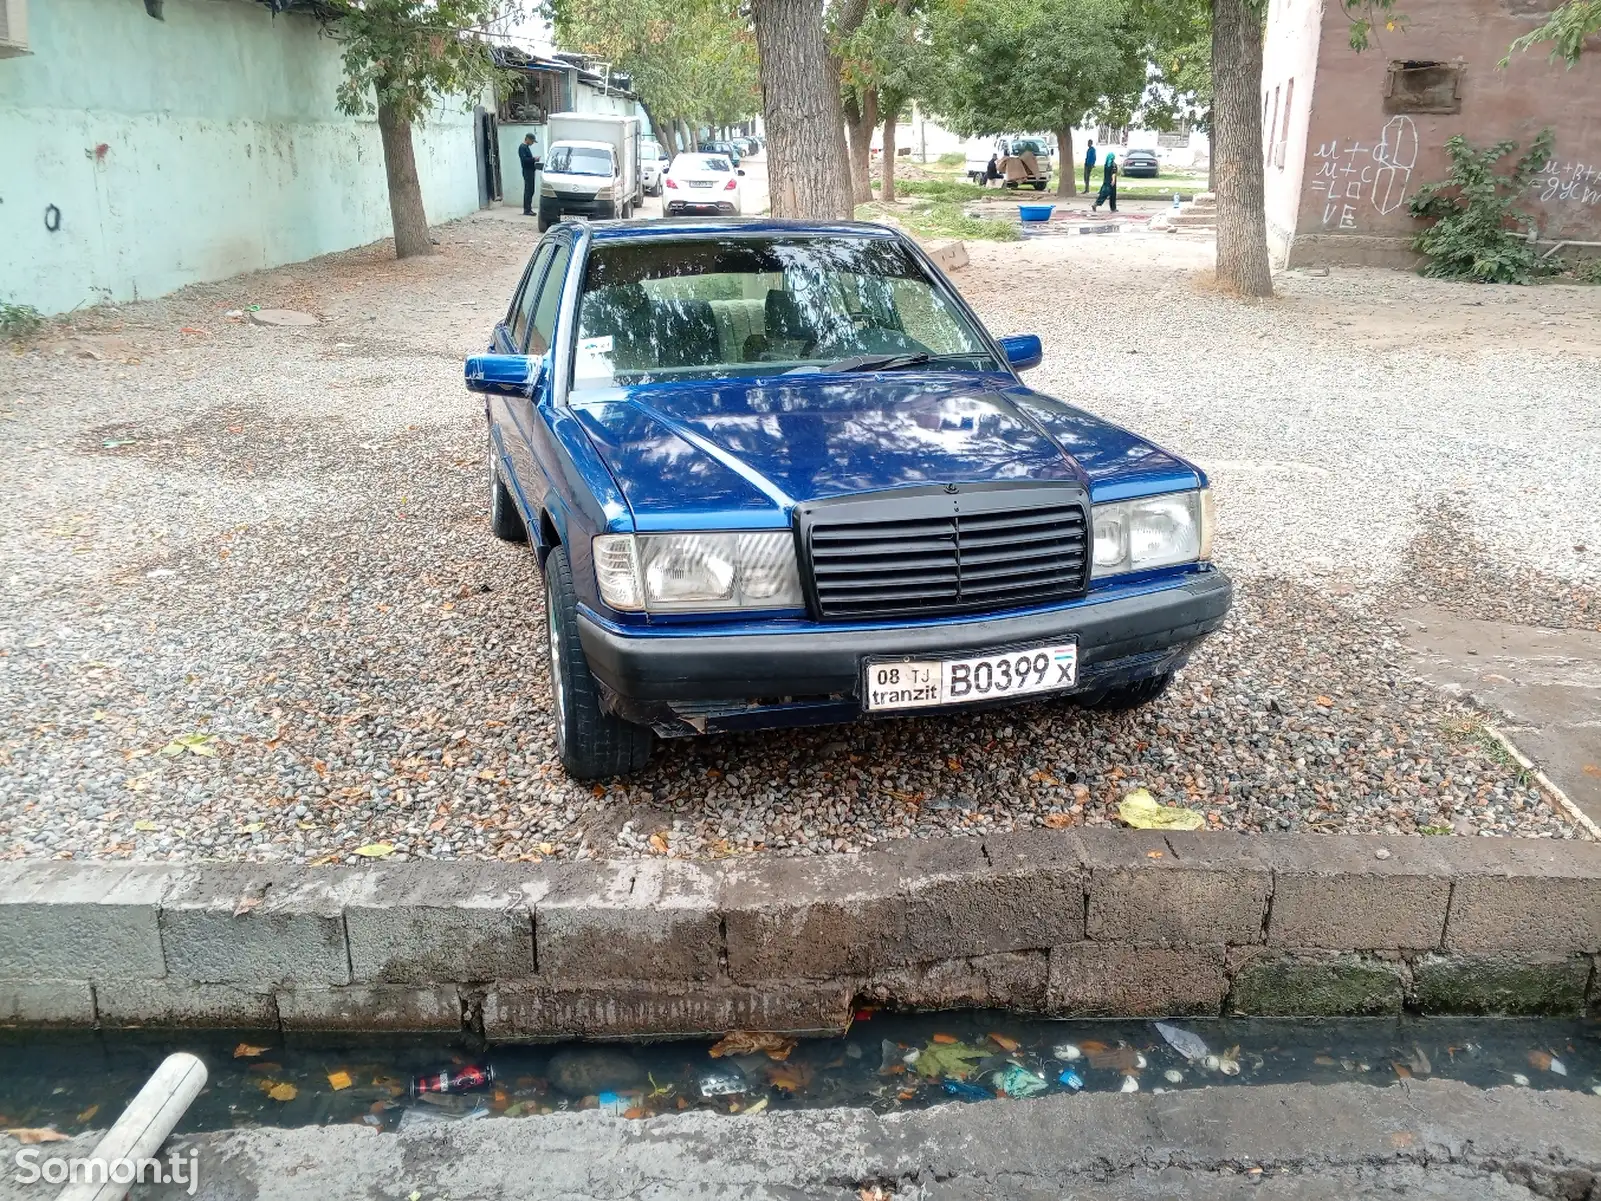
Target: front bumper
pixel 553 208
pixel 681 681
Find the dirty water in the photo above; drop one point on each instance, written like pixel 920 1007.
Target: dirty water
pixel 73 1082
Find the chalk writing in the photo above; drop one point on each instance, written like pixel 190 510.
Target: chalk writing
pixel 1573 182
pixel 1353 172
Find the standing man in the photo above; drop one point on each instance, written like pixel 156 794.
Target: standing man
pixel 1089 164
pixel 525 153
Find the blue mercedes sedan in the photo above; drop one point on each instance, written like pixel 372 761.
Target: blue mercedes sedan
pixel 779 473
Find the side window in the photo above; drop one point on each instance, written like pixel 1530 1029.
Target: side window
pixel 544 322
pixel 530 296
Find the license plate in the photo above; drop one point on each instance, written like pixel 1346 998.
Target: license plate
pixel 924 683
pixel 700 183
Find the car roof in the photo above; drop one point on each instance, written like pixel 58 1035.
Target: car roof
pixel 579 142
pixel 692 227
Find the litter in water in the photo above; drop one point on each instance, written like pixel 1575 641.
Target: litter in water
pixel 1071 1080
pixel 1187 1043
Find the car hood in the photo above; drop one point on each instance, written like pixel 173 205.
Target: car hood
pixel 695 454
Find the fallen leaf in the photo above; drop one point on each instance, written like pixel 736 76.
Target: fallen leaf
pixel 1112 1059
pixel 658 844
pixel 1324 1061
pixel 945 1039
pixel 283 1092
pixel 1004 1043
pixel 1153 854
pixel 144 826
pixel 253 828
pixel 246 1051
pixel 1540 1060
pixel 376 850
pixel 88 1114
pixel 546 848
pixel 1403 1138
pixel 1140 810
pixel 750 1042
pixel 195 744
pixel 1590 769
pixel 1401 1070
pixel 1326 701
pixel 1058 821
pixel 634 1112
pixel 36 1134
pixel 338 1080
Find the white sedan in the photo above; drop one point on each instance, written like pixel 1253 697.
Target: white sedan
pixel 702 183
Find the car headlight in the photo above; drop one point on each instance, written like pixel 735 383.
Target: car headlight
pixel 546 189
pixel 1152 531
pixel 668 573
pixel 604 193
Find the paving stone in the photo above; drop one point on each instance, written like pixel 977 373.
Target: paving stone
pixel 651 919
pixel 1091 979
pixel 395 1007
pixel 169 1002
pixel 843 915
pixel 629 1009
pixel 79 921
pixel 423 923
pixel 47 1002
pixel 295 932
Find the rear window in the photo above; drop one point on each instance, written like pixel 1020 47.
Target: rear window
pixel 705 307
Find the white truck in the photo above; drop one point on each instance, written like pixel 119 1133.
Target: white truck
pixel 1010 146
pixel 591 167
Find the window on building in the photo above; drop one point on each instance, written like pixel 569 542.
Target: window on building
pixel 1414 86
pixel 1269 127
pixel 533 98
pixel 1284 126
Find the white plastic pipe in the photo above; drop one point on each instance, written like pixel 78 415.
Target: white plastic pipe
pixel 140 1131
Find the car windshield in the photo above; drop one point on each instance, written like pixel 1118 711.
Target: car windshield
pixel 710 306
pixel 1022 144
pixel 580 160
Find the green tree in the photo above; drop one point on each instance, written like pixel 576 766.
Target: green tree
pixel 400 57
pixel 1567 29
pixel 1019 65
pixel 887 62
pixel 691 62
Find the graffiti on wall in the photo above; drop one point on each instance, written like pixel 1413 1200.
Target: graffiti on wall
pixel 1570 182
pixel 1353 175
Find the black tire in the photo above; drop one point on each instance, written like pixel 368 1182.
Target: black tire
pixel 543 223
pixel 1039 185
pixel 591 745
pixel 1124 696
pixel 505 522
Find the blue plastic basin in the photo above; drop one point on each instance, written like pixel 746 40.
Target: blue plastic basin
pixel 1036 212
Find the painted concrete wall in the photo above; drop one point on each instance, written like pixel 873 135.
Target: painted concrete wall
pixel 190 149
pixel 1362 164
pixel 1289 71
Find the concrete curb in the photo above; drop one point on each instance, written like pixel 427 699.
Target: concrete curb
pixel 1080 922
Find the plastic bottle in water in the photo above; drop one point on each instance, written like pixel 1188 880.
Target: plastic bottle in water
pixel 1175 202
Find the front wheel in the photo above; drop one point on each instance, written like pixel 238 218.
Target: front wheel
pixel 591 744
pixel 1039 185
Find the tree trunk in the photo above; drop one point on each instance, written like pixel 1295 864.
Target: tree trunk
pixel 1066 163
pixel 886 191
pixel 656 130
pixel 1242 263
pixel 806 161
pixel 861 118
pixel 405 192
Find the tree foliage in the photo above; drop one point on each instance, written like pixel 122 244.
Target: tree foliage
pixel 406 54
pixel 1567 29
pixel 1476 232
pixel 689 60
pixel 1017 65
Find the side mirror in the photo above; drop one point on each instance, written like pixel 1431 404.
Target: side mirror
pixel 499 374
pixel 739 173
pixel 1022 351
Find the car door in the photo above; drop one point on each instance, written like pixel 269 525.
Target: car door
pixel 508 338
pixel 530 446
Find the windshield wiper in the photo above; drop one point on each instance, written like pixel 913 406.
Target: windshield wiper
pixel 877 362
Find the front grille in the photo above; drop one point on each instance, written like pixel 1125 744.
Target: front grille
pixel 931 551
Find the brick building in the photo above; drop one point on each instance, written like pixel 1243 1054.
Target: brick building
pixel 1349 137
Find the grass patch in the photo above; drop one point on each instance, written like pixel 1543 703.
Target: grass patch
pixel 940 219
pixel 1468 730
pixel 18 321
pixel 1585 271
pixel 938 189
pixel 954 158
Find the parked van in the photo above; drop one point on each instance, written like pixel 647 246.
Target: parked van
pixel 592 168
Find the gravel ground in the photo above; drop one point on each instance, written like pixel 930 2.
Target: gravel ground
pixel 252 609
